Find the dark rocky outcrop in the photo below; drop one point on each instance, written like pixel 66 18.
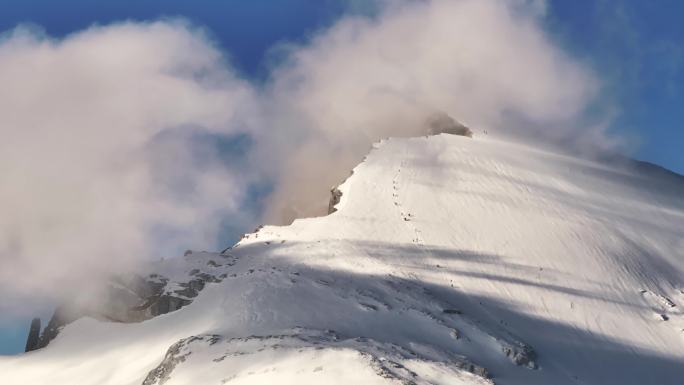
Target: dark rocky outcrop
pixel 335 196
pixel 33 335
pixel 175 355
pixel 162 372
pixel 62 316
pixel 385 359
pixel 166 304
pixel 126 299
pixel 521 355
pixel 442 123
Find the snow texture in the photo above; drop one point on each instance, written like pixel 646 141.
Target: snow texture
pixel 448 260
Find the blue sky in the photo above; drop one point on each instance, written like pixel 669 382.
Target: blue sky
pixel 246 29
pixel 636 47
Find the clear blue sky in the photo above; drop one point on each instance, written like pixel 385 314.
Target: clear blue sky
pixel 636 46
pixel 638 49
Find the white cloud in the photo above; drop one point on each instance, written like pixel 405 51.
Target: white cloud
pixel 487 63
pixel 83 187
pixel 99 158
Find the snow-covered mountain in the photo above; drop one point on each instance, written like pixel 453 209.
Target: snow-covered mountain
pixel 448 260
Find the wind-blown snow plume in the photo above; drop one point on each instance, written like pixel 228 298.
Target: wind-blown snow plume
pixel 105 160
pixel 487 63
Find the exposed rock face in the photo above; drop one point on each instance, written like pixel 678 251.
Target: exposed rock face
pixel 62 316
pixel 335 196
pixel 176 354
pixel 441 123
pixel 521 355
pixel 173 357
pixel 33 336
pixel 385 359
pixel 126 299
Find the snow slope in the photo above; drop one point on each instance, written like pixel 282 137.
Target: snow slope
pixel 449 260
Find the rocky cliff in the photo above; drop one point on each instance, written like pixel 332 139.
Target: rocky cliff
pixel 131 298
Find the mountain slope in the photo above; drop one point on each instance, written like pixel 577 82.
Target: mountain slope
pixel 449 260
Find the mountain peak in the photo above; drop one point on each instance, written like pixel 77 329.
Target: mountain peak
pixel 447 260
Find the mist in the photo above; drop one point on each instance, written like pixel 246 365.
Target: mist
pixel 488 64
pixel 109 154
pixel 97 164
